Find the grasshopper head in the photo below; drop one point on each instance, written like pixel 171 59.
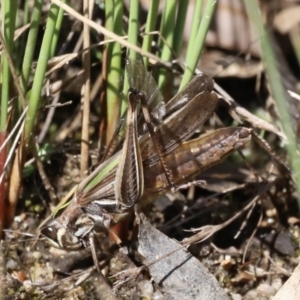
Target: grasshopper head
pixel 68 231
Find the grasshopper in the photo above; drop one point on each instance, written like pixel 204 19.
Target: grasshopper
pixel 155 158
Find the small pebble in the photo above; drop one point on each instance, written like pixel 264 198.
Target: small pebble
pixel 266 290
pixel 27 284
pixel 158 296
pixel 236 296
pixel 146 288
pixel 250 295
pixel 277 283
pixel 11 264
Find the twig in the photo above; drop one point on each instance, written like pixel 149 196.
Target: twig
pixel 86 57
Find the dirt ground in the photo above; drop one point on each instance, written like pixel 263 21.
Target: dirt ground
pixel 236 236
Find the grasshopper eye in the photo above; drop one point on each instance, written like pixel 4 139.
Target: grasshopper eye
pixel 50 232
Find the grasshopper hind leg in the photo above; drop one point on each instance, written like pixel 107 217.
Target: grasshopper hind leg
pixel 93 250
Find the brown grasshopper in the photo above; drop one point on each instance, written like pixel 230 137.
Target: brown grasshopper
pixel 154 159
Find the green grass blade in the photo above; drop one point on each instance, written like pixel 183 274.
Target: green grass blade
pixel 133 30
pixel 192 60
pixel 22 42
pixel 195 26
pixel 179 28
pixel 150 26
pixel 99 174
pixel 57 30
pixel 114 72
pixel 31 43
pixel 9 9
pixel 167 31
pixel 133 26
pixel 278 92
pixel 35 96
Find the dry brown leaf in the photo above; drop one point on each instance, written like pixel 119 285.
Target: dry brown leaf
pixel 291 289
pixel 180 274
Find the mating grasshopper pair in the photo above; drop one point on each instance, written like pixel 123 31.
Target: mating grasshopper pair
pixel 155 157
